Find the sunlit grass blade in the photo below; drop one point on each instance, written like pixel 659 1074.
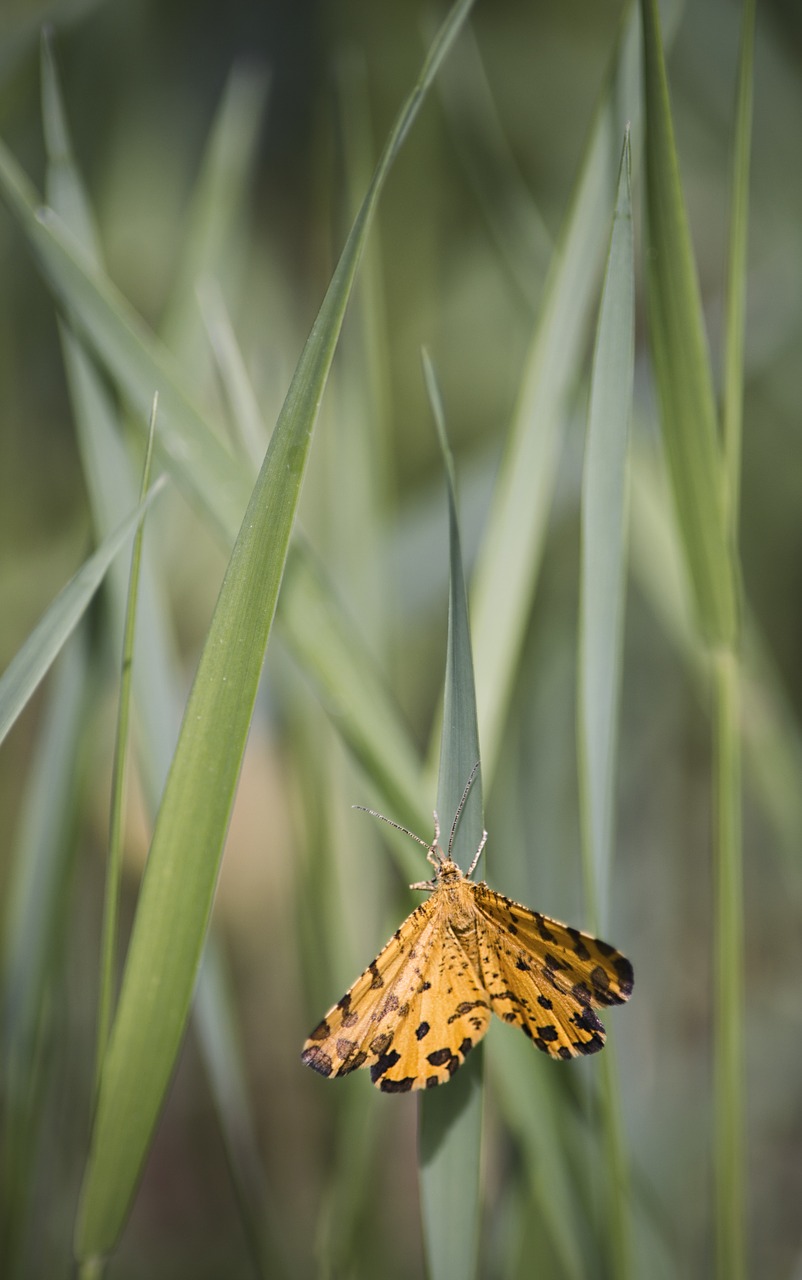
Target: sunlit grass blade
pixel 450 1120
pixel 36 901
pixel 681 360
pixel 178 886
pixel 32 662
pixel 509 560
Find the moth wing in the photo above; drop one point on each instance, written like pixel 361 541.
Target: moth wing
pixel 443 1013
pixel 341 1042
pixel 577 962
pixel 412 1016
pixel 545 977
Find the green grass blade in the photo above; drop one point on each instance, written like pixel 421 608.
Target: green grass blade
pixel 681 361
pixel 508 564
pixel 732 407
pixel 603 566
pixel 729 1061
pixel 356 697
pixel 178 885
pixel 199 462
pixel 196 460
pixel 450 1119
pixel 36 899
pixel 156 680
pixel 32 662
pixel 111 906
pixel 601 611
pixel 729 1089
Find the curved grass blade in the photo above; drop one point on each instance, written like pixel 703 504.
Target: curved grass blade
pixel 450 1120
pixel 178 885
pixel 601 611
pixel 32 662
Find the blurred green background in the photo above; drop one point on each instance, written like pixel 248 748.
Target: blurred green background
pixel 307 894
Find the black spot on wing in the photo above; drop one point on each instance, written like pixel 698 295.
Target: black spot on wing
pixel 353 1063
pixel 439 1057
pixel 380 1044
pixel 397 1086
pixel 319 1061
pixel 383 1064
pixel 593 1045
pixel 321 1032
pixel 545 1003
pixel 626 977
pixel 421 1030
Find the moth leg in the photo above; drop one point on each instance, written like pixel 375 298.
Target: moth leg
pixel 477 856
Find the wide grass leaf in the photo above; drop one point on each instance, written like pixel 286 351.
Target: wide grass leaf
pixel 178 886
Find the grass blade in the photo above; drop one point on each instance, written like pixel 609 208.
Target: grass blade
pixel 32 662
pixel 507 568
pixel 36 899
pixel 681 361
pixel 602 590
pixel 179 881
pixel 111 906
pixel 450 1120
pixel 729 1070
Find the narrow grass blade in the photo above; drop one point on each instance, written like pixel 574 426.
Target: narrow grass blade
pixel 217 482
pixel 508 564
pixel 681 361
pixel 732 407
pixel 28 667
pixel 532 1105
pixel 729 1088
pixel 356 697
pixel 601 611
pixel 729 1066
pixel 111 906
pixel 199 462
pixel 178 885
pixel 36 900
pixel 450 1119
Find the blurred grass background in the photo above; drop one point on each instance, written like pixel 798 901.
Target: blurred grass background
pixel 457 261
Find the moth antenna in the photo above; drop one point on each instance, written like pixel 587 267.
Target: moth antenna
pixel 461 806
pixel 390 823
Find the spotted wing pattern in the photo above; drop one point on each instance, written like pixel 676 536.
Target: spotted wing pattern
pixel 412 1016
pixel 545 977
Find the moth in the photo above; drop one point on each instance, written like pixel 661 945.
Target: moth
pixel 420 1007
